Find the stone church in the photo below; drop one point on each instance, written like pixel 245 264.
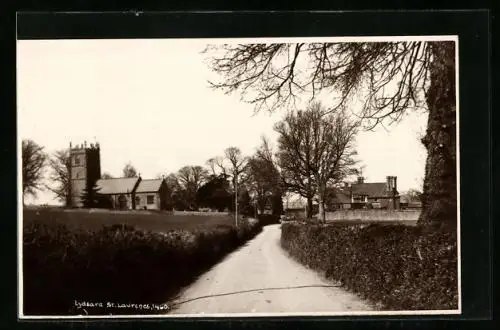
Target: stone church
pixel 122 193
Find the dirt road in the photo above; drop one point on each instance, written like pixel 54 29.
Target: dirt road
pixel 261 278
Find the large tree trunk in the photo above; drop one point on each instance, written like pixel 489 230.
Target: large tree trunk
pixel 309 208
pixel 322 212
pixel 321 204
pixel 439 199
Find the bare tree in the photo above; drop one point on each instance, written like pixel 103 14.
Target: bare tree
pixel 263 176
pixel 413 195
pixel 237 163
pixel 333 158
pixel 129 171
pixel 391 77
pixel 212 165
pixel 176 194
pixel 33 162
pixel 60 165
pixel 315 150
pixel 220 162
pixel 191 178
pixel 172 181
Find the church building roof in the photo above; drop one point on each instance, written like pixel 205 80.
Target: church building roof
pixel 116 185
pixel 151 185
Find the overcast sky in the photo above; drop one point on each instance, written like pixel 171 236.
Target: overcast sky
pixel 148 102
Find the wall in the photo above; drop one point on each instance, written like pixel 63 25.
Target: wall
pixel 77 190
pixel 78 176
pixel 141 201
pixel 198 213
pixel 116 203
pixel 373 215
pixel 295 213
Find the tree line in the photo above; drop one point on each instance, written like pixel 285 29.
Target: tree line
pixel 314 151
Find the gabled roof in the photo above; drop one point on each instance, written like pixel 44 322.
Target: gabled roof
pixel 152 185
pixel 116 185
pixel 371 189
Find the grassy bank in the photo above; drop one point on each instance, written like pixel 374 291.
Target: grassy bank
pixel 117 264
pixel 394 266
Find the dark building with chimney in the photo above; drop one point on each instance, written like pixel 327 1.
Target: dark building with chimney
pixel 361 194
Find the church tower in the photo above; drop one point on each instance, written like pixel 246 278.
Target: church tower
pixel 85 169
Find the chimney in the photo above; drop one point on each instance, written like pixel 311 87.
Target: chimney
pixel 85 144
pixel 361 179
pixel 392 185
pixel 70 146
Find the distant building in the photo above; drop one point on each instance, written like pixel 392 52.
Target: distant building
pixel 406 203
pixel 151 194
pixel 362 194
pixel 122 193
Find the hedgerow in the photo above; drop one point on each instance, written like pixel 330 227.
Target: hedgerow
pixel 396 267
pixel 118 264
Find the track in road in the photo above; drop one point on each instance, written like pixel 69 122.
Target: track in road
pixel 261 278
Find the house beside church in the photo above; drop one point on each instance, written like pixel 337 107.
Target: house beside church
pixel 122 193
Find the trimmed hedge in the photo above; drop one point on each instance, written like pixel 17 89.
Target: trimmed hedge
pixel 117 264
pixel 396 267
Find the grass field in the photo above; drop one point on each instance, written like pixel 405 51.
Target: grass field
pixel 153 221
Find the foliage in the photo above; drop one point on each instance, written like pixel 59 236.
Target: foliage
pixel 106 175
pixel 190 179
pixel 129 171
pixel 245 206
pixel 264 179
pixel 277 204
pixel 413 195
pixel 90 196
pixel 34 160
pixel 399 267
pixel 268 219
pixel 215 193
pixel 118 264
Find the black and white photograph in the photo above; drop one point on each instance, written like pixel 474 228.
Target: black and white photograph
pixel 176 177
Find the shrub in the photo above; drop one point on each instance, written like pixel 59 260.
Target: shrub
pixel 396 266
pixel 117 263
pixel 268 219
